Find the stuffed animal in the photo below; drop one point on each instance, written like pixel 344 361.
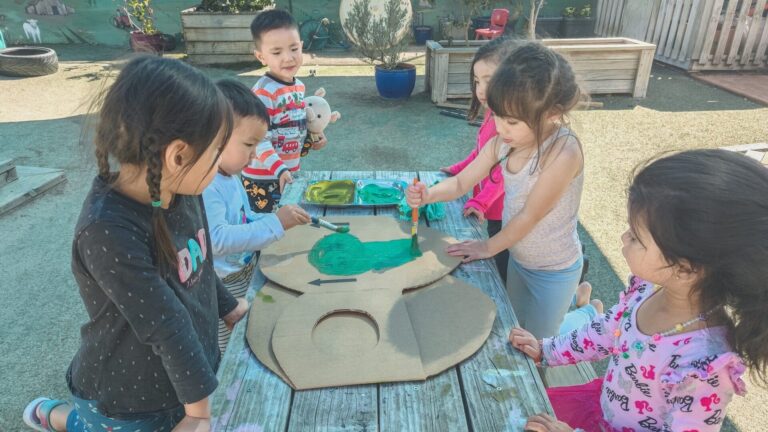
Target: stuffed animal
pixel 319 115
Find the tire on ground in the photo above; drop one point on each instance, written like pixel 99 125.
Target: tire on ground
pixel 28 61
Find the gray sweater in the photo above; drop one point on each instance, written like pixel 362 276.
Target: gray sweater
pixel 151 342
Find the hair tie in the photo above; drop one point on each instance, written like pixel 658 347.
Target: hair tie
pixel 157 203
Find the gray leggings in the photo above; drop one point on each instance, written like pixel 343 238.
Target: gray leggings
pixel 541 298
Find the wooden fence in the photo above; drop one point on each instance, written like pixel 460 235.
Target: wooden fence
pixel 692 34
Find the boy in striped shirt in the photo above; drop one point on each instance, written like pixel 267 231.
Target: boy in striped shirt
pixel 278 46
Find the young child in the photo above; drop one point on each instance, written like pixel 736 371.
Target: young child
pixel 148 355
pixel 278 46
pixel 530 95
pixel 693 315
pixel 236 231
pixel 487 200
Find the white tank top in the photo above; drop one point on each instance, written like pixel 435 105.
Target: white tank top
pixel 553 244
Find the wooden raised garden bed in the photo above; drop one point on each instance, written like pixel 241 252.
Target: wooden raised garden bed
pixel 603 65
pixel 218 38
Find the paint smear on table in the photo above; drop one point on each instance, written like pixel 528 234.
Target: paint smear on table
pixel 377 194
pixel 344 255
pixel 331 192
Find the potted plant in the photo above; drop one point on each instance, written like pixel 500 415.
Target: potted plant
pixel 577 22
pixel 219 31
pixel 144 36
pixel 381 41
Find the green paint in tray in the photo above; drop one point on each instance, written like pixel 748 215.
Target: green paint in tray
pixel 344 254
pixel 331 192
pixel 376 194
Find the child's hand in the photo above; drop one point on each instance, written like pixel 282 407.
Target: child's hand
pixel 291 215
pixel 526 342
pixel 237 313
pixel 317 145
pixel 545 423
pixel 446 170
pixel 417 195
pixel 193 424
pixel 285 178
pixel 471 250
pixel 471 211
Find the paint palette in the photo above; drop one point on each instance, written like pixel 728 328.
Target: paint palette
pixel 363 192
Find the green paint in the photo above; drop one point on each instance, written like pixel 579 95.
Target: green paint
pixel 331 192
pixel 345 255
pixel 376 194
pixel 446 390
pixel 266 298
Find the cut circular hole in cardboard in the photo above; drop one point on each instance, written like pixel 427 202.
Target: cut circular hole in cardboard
pixel 340 331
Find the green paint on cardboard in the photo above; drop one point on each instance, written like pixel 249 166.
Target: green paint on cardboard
pixel 344 254
pixel 446 390
pixel 377 194
pixel 331 192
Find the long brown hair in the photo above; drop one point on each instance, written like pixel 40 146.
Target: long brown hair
pixel 531 84
pixel 153 102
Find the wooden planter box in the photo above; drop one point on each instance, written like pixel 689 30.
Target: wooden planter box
pixel 603 65
pixel 218 38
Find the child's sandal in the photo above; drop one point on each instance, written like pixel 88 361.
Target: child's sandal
pixel 46 406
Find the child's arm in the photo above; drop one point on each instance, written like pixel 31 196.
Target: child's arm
pixel 227 239
pixel 454 187
pixel 459 166
pixel 265 150
pixel 492 191
pixel 123 269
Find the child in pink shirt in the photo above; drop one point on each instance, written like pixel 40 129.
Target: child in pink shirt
pixel 693 317
pixel 487 202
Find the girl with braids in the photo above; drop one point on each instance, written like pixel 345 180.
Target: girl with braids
pixel 141 258
pixel 693 317
pixel 487 199
pixel 530 96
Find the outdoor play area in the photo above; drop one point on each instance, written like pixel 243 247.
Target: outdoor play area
pixel 387 308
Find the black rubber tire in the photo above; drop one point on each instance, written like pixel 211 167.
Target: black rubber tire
pixel 28 61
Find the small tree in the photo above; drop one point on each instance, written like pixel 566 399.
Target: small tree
pixel 142 11
pixel 379 40
pixel 533 16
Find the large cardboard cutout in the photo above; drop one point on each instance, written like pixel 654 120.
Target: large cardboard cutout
pixel 286 262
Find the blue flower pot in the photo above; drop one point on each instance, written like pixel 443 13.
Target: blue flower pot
pixel 397 83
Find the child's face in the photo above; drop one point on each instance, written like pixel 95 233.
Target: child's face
pixel 248 132
pixel 644 257
pixel 280 50
pixel 514 132
pixel 200 175
pixel 483 70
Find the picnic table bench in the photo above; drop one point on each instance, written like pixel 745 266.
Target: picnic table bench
pixel 490 391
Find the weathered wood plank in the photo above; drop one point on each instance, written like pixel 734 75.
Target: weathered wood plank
pixel 684 51
pixel 760 52
pixel 665 25
pixel 643 74
pixel 680 26
pixel 218 35
pixel 217 20
pixel 219 48
pixel 714 19
pixel 432 405
pixel 350 408
pixel 725 31
pixel 207 59
pixel 31 183
pixel 518 391
pixel 609 86
pixel 737 39
pixel 607 74
pixel 249 396
pixel 440 83
pixel 754 31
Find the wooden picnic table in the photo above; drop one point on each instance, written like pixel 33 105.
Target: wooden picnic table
pixel 490 391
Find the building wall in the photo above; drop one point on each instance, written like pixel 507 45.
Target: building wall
pixel 91 20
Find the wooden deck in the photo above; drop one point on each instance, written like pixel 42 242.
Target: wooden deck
pixel 491 391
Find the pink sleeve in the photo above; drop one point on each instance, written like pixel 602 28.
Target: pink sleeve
pixel 457 167
pixel 490 192
pixel 594 341
pixel 697 398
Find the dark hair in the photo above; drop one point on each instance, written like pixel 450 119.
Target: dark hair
pixel 531 84
pixel 710 208
pixel 153 102
pixel 242 100
pixel 494 51
pixel 271 20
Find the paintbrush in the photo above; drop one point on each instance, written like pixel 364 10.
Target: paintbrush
pixel 414 227
pixel 325 224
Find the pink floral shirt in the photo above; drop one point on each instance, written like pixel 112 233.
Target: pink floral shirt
pixel 680 383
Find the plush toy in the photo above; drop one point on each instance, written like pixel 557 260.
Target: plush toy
pixel 319 115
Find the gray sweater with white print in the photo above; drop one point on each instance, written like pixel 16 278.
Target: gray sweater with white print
pixel 151 342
